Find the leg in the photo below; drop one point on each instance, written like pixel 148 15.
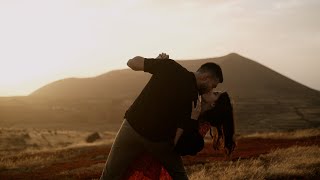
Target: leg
pixel 126 147
pixel 170 160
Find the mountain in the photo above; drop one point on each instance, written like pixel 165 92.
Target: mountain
pixel 243 78
pixel 264 100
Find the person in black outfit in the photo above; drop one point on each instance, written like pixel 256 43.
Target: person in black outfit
pixel 160 114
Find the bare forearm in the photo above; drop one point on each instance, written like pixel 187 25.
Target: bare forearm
pixel 178 135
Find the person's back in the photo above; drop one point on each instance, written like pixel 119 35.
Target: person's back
pixel 164 102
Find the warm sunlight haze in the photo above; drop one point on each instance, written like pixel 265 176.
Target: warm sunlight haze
pixel 77 101
pixel 44 41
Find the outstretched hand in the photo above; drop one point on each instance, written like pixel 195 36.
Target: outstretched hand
pixel 163 56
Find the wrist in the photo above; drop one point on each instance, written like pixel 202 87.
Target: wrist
pixel 194 118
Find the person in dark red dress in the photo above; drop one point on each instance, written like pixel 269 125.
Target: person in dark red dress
pixel 216 111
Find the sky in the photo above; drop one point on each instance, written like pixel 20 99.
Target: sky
pixel 42 41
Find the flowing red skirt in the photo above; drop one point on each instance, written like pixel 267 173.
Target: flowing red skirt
pixel 145 167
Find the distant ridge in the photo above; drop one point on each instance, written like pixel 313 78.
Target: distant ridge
pixel 263 99
pixel 243 78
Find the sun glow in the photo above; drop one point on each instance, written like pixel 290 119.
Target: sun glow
pixel 43 41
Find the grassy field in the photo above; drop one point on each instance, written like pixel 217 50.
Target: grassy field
pixel 277 155
pixel 290 163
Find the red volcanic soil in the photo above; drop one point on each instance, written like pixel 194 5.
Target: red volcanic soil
pixel 85 157
pixel 248 148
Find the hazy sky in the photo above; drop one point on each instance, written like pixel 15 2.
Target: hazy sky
pixel 42 41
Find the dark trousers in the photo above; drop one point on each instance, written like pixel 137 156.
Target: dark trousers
pixel 128 145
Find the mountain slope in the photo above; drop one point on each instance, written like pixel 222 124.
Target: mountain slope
pixel 243 78
pixel 263 99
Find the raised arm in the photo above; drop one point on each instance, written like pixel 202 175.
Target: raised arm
pixel 150 65
pixel 136 63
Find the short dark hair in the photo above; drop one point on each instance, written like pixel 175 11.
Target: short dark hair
pixel 213 68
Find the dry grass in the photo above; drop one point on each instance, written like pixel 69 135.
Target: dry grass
pixel 81 159
pixel 24 162
pixel 293 162
pixel 33 158
pixel 44 157
pixel 304 133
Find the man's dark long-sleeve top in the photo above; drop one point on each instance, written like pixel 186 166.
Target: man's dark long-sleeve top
pixel 165 103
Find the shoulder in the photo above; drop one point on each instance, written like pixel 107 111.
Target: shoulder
pixel 158 66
